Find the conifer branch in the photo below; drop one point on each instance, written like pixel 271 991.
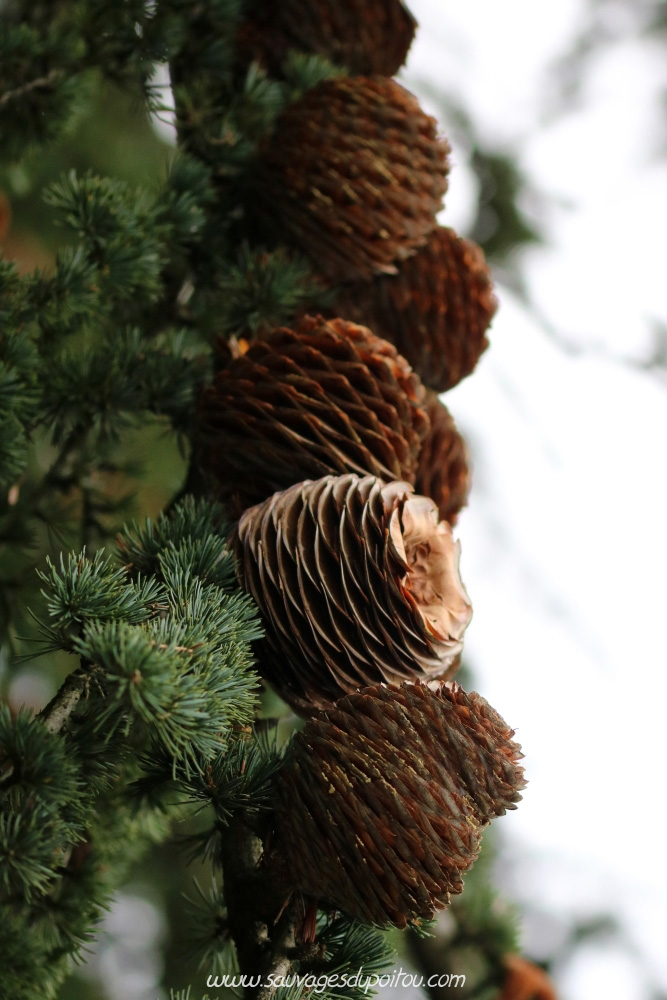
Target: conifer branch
pixel 62 705
pixel 264 945
pixel 41 83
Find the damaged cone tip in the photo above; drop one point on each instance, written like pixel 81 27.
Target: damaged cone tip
pixel 357 581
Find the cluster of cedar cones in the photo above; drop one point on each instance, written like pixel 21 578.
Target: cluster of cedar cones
pixel 330 438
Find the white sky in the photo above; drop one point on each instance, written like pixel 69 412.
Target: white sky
pixel 565 539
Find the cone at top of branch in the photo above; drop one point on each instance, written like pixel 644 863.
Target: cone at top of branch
pixel 357 582
pixel 353 176
pixel 384 798
pixel 436 308
pixel 322 398
pixel 365 36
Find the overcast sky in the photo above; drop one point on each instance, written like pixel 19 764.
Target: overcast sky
pixel 565 539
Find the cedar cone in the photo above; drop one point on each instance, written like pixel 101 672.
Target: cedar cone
pixel 436 309
pixel 357 582
pixel 443 472
pixel 384 798
pixel 368 37
pixel 525 981
pixel 323 398
pixel 353 175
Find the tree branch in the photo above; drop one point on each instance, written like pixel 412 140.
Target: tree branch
pixel 57 712
pixel 262 928
pixel 41 83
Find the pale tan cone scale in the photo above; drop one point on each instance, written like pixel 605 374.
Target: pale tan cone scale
pixel 353 175
pixel 383 798
pixel 357 581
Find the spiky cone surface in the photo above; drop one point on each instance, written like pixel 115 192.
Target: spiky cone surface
pixel 443 473
pixel 357 582
pixel 322 398
pixel 436 309
pixel 353 176
pixel 367 37
pixel 525 981
pixel 384 798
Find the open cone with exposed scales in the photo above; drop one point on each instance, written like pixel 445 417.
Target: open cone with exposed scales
pixel 322 398
pixel 436 308
pixel 443 473
pixel 383 798
pixel 353 176
pixel 357 581
pixel 367 37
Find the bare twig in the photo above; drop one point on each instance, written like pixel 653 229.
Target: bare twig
pixel 41 83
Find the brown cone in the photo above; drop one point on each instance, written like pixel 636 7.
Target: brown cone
pixel 436 309
pixel 353 176
pixel 525 981
pixel 323 398
pixel 367 37
pixel 384 798
pixel 443 473
pixel 357 582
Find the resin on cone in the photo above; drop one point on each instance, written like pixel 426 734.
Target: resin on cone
pixel 367 37
pixel 443 473
pixel 323 398
pixel 436 309
pixel 353 176
pixel 384 798
pixel 357 581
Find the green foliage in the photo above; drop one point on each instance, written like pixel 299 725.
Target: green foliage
pixel 117 229
pixel 88 589
pixel 46 47
pixel 186 995
pixel 264 289
pixel 164 663
pixel 303 71
pixel 502 225
pixel 17 397
pixel 41 796
pixel 193 534
pixel 170 649
pixel 351 946
pixel 241 779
